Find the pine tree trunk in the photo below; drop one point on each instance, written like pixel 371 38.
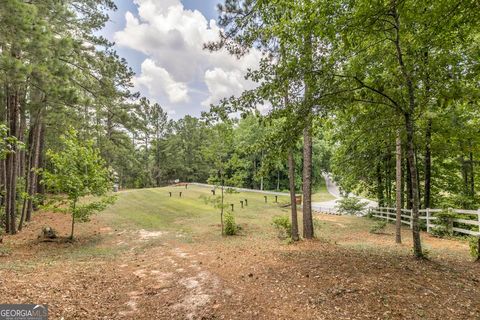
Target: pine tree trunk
pixel 40 188
pixel 12 162
pixel 307 184
pixel 428 164
pixel 293 200
pixel 32 174
pixel 21 137
pixel 398 198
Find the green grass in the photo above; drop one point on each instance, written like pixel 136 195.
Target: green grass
pixel 191 215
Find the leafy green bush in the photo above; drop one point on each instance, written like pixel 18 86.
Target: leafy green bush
pixel 350 205
pixel 443 224
pixel 378 227
pixel 474 243
pixel 283 225
pixel 231 191
pixel 230 226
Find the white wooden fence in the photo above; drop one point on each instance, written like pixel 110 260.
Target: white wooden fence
pixel 429 216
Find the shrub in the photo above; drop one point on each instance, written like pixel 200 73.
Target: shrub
pixel 283 225
pixel 230 226
pixel 443 224
pixel 231 191
pixel 317 224
pixel 378 227
pixel 351 205
pixel 474 243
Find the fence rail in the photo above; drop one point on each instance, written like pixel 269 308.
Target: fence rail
pixel 428 215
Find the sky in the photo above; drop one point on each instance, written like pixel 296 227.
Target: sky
pixel 162 40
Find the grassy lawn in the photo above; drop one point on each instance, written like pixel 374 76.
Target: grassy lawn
pixel 192 214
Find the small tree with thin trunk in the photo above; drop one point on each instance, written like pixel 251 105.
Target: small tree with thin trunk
pixel 78 172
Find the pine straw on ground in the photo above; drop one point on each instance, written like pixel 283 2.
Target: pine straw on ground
pixel 119 274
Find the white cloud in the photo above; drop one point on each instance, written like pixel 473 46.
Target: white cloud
pixel 159 82
pixel 172 38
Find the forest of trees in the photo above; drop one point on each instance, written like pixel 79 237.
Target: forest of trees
pixel 343 81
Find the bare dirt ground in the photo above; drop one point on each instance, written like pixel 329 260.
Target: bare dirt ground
pixel 139 274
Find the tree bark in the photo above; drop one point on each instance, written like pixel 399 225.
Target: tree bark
pixel 428 164
pixel 410 127
pixel 398 188
pixel 293 200
pixel 40 188
pixel 12 162
pixel 409 184
pixel 308 232
pixel 417 245
pixel 73 220
pixel 32 174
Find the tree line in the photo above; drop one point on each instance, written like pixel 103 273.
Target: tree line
pixel 57 75
pixel 393 84
pixel 384 94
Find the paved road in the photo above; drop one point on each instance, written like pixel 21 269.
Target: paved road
pixel 325 206
pixel 330 206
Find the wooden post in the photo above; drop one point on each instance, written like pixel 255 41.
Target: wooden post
pixel 450 222
pixel 478 216
pixel 411 222
pixel 180 194
pixel 246 202
pixel 241 203
pixel 213 191
pixel 232 206
pixel 276 199
pixel 186 186
pixel 265 199
pixel 428 219
pixel 170 194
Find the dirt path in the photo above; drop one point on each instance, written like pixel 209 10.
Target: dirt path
pixel 139 274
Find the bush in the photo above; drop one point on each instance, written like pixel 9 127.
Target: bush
pixel 231 191
pixel 443 224
pixel 283 225
pixel 351 205
pixel 378 227
pixel 230 226
pixel 474 243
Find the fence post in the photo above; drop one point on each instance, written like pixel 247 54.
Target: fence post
pixel 265 199
pixel 411 222
pixel 478 216
pixel 428 219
